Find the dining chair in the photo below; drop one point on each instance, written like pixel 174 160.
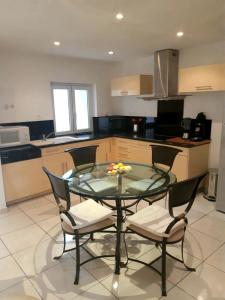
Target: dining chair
pixel 83 155
pixel 162 226
pixel 161 156
pixel 79 220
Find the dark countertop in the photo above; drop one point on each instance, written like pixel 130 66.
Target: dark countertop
pixel 33 150
pixel 175 141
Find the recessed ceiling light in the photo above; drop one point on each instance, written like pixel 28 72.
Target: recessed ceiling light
pixel 180 34
pixel 110 52
pixel 119 16
pixel 57 43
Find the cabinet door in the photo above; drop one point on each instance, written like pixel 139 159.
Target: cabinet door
pixel 202 78
pixel 180 167
pixel 56 164
pixel 111 149
pixel 140 154
pixel 131 85
pixel 125 86
pixel 103 150
pixel 23 179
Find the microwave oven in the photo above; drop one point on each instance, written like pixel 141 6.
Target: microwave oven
pixel 111 124
pixel 14 136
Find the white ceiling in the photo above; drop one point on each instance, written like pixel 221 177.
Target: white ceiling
pixel 88 28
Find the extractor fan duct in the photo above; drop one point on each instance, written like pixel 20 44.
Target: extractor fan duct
pixel 165 76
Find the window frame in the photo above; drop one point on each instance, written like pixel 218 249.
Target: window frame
pixel 71 87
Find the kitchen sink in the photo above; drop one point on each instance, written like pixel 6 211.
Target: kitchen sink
pixel 55 140
pixel 62 139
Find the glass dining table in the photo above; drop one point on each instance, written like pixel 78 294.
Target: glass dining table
pixel 137 181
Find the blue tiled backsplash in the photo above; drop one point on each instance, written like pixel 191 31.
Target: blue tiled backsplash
pixel 37 128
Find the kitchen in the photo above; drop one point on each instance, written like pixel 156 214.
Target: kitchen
pixel 25 91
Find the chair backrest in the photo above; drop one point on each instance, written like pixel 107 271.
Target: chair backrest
pixel 164 155
pixel 83 155
pixel 184 192
pixel 60 190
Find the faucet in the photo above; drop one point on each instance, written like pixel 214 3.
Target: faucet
pixel 45 137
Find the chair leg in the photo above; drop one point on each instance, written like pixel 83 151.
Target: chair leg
pixel 92 236
pixel 165 200
pixel 182 255
pixel 76 281
pixel 64 247
pixel 163 273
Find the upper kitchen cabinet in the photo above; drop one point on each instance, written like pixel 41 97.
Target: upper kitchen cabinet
pixel 202 78
pixel 135 85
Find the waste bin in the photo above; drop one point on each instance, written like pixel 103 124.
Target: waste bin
pixel 210 193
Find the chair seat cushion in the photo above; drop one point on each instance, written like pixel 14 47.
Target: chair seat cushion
pixel 87 213
pixel 154 219
pixel 90 228
pixel 173 238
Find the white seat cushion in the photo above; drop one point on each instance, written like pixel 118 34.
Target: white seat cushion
pixel 154 219
pixel 87 213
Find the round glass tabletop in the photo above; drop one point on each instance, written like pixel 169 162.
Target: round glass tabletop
pixel 136 181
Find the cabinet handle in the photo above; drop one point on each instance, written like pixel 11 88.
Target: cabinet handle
pixel 124 93
pixel 204 87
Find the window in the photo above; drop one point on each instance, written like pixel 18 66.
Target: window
pixel 72 108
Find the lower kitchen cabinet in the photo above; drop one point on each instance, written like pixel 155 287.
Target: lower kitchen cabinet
pixel 26 179
pixel 135 151
pixel 180 167
pixel 188 163
pixel 22 179
pixel 57 164
pixel 57 161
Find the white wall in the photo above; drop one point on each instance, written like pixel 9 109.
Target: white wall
pixel 25 78
pixel 25 86
pixel 212 104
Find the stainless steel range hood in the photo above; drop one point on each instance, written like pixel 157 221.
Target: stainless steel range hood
pixel 165 76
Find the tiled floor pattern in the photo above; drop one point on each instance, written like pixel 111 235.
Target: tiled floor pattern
pixel 30 237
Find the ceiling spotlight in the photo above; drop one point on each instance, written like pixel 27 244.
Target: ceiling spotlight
pixel 180 34
pixel 110 52
pixel 57 43
pixel 119 16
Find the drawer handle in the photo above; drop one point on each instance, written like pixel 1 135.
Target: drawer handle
pixel 204 87
pixel 124 93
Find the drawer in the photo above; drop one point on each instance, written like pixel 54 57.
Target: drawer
pixel 52 150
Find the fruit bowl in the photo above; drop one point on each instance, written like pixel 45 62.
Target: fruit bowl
pixel 120 168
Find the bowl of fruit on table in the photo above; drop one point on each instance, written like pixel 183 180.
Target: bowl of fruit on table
pixel 119 168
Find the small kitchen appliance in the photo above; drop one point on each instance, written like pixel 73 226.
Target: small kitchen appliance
pixel 14 136
pixel 187 126
pixel 199 132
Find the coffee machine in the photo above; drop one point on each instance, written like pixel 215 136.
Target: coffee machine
pixel 187 124
pixel 199 129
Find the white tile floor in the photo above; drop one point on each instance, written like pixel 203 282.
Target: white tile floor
pixel 30 237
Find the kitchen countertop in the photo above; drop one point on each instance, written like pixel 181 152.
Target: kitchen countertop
pixel 175 141
pixel 33 150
